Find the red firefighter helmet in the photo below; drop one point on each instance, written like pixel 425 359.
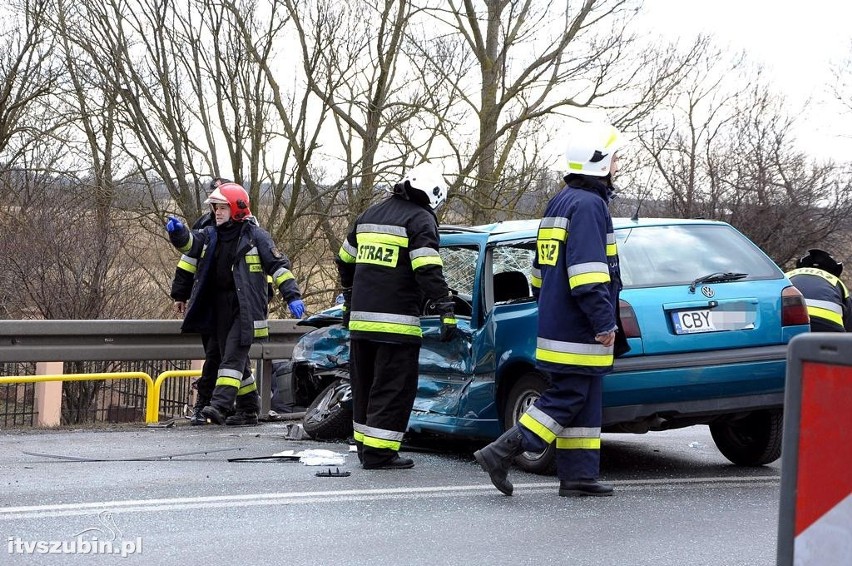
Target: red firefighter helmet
pixel 234 195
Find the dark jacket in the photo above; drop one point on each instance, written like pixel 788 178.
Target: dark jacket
pixel 576 279
pixel 829 304
pixel 391 263
pixel 255 257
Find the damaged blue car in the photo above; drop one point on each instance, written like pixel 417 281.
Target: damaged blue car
pixel 706 313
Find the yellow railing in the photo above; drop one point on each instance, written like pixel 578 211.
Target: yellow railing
pixel 152 397
pixel 152 405
pixel 85 377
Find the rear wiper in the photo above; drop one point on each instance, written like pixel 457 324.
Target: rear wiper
pixel 717 277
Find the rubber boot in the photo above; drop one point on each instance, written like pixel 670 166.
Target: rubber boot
pixel 496 458
pixel 213 415
pixel 579 488
pixel 197 419
pixel 241 418
pixel 395 463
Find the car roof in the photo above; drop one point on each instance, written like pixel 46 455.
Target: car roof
pixel 511 229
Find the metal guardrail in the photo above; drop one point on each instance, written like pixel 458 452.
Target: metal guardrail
pixel 99 340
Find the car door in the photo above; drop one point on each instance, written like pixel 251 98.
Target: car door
pixel 446 367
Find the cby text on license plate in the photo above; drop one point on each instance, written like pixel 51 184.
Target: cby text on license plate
pixel 693 321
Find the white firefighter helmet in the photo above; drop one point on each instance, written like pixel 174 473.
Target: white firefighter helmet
pixel 591 148
pixel 428 179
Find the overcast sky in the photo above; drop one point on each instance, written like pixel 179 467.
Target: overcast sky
pixel 795 41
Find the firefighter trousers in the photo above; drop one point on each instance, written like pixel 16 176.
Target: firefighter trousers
pixel 568 413
pixel 236 388
pixel 207 382
pixel 384 384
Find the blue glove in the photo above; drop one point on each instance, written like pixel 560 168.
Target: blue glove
pixel 173 225
pixel 297 307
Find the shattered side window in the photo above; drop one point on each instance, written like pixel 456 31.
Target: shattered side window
pixel 517 257
pixel 511 265
pixel 460 268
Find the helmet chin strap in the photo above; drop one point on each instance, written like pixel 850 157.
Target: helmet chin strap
pixel 399 190
pixel 611 189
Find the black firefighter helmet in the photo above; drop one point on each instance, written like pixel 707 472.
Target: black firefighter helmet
pixel 821 259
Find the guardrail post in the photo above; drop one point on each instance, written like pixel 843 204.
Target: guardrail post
pixel 48 395
pixel 264 385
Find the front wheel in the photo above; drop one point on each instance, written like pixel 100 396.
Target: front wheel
pixel 523 394
pixel 329 416
pixel 753 440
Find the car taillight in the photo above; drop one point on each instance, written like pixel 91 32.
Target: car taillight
pixel 628 320
pixel 793 307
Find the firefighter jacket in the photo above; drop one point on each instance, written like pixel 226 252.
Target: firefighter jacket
pixel 390 261
pixel 576 279
pixel 829 304
pixel 182 282
pixel 256 258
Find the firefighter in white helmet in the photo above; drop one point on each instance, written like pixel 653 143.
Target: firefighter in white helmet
pixel 576 280
pixel 388 263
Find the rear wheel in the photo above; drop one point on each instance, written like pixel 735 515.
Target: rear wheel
pixel 753 440
pixel 522 395
pixel 329 416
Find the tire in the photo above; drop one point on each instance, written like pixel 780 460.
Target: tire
pixel 329 416
pixel 523 394
pixel 754 440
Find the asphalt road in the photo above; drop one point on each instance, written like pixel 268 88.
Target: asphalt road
pixel 678 501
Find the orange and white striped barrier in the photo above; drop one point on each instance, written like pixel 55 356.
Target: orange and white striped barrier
pixel 815 519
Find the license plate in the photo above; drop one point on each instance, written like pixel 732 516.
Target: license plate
pixel 693 321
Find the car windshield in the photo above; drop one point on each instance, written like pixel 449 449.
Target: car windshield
pixel 653 256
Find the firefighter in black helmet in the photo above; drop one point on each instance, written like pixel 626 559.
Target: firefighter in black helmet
pixel 817 277
pixel 388 264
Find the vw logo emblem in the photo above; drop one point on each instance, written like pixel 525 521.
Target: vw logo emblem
pixel 707 291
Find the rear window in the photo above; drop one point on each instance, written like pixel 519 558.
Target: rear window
pixel 653 256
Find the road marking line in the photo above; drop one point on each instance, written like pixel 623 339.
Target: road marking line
pixel 255 499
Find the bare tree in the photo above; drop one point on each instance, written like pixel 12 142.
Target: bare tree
pixel 538 61
pixel 316 106
pixel 725 149
pixel 783 199
pixel 841 88
pixel 679 137
pixel 28 75
pixel 353 64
